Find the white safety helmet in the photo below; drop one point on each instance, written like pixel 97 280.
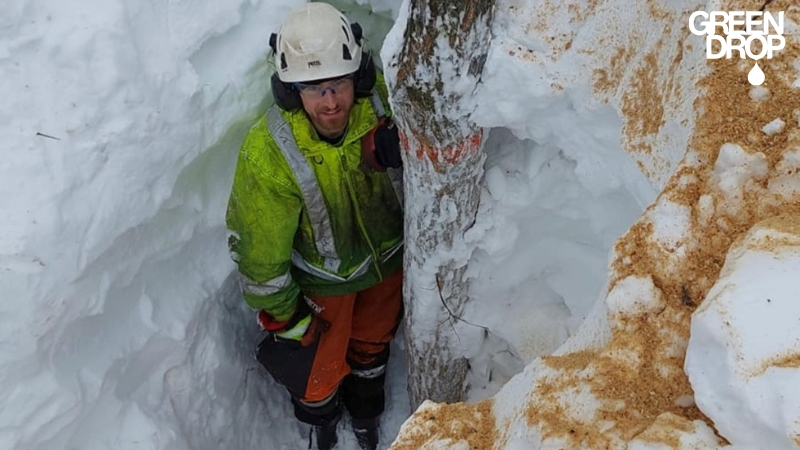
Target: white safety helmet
pixel 315 42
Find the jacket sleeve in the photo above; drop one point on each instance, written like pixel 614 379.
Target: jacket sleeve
pixel 262 218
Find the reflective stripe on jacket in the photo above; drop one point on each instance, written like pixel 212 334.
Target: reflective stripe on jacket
pixel 303 214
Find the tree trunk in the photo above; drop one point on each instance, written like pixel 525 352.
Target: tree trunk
pixel 438 65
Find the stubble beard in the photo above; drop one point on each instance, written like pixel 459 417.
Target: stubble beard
pixel 333 125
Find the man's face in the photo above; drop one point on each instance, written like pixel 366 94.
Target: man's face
pixel 328 104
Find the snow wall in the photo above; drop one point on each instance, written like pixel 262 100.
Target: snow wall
pixel 722 233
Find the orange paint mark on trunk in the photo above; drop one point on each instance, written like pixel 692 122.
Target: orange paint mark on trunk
pixel 450 154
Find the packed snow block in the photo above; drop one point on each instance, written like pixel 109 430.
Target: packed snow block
pixel 743 359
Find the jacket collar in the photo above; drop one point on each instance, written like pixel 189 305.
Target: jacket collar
pixel 362 119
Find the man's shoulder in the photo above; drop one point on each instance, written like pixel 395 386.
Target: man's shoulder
pixel 260 147
pixel 257 139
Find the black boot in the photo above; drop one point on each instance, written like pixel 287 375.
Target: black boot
pixel 366 431
pixel 324 418
pixel 364 399
pixel 326 436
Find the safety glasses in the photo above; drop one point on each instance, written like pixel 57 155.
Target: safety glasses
pixel 317 90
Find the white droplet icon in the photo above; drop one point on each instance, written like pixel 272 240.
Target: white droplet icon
pixel 756 76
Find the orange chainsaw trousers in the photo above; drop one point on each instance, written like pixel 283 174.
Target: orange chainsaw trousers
pixel 356 332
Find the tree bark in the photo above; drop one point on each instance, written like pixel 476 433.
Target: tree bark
pixel 437 67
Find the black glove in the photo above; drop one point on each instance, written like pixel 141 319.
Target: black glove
pixel 387 145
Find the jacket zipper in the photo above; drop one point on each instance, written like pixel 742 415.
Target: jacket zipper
pixel 375 259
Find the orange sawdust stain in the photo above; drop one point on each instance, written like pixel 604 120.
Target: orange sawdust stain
pixel 789 360
pixel 473 423
pixel 642 105
pixel 608 79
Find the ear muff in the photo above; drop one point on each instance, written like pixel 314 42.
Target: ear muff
pixel 358 33
pixel 273 42
pixel 366 76
pixel 285 95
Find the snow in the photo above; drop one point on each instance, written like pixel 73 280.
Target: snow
pixel 787 184
pixel 633 296
pixel 759 93
pixel 540 230
pixel 671 223
pixel 121 327
pixel 774 127
pixel 736 168
pixel 743 355
pixel 695 435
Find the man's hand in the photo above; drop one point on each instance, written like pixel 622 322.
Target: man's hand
pixel 294 328
pixel 381 146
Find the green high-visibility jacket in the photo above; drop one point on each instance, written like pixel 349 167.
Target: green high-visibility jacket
pixel 304 215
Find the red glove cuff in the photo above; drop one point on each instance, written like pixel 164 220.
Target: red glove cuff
pixel 268 323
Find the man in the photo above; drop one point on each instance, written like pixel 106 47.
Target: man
pixel 316 225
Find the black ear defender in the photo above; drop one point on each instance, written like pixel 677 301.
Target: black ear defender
pixel 285 94
pixel 358 33
pixel 365 76
pixel 273 42
pixel 287 97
